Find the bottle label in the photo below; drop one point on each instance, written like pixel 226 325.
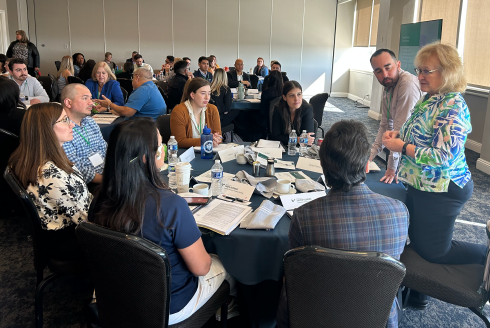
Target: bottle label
pixel 293 140
pixel 216 175
pixel 208 146
pixel 172 147
pixel 303 140
pixel 171 168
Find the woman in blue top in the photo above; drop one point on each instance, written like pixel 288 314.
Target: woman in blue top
pixel 133 199
pixel 103 82
pixel 261 69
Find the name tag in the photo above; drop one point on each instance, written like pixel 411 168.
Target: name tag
pixel 96 159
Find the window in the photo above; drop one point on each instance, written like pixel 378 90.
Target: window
pixel 366 28
pixel 448 11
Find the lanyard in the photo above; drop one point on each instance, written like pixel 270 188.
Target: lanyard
pixel 83 137
pixel 198 127
pixel 388 105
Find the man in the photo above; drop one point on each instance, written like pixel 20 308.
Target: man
pixel 108 60
pixel 203 69
pixel 145 100
pixel 176 85
pixel 131 60
pixel 88 148
pixel 275 66
pixel 188 61
pixel 168 67
pixel 139 62
pixel 401 93
pixel 31 91
pixel 350 216
pixel 238 75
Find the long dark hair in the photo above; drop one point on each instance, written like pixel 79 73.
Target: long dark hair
pixel 130 176
pixel 283 107
pixel 3 58
pixel 75 56
pixel 275 82
pixel 9 97
pixel 86 71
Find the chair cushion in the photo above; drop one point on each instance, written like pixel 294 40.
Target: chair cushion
pixel 455 284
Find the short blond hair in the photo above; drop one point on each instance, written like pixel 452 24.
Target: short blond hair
pixel 450 65
pixel 106 68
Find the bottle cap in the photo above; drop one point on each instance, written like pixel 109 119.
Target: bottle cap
pixel 293 130
pixel 172 137
pixel 304 131
pixel 217 161
pixel 206 130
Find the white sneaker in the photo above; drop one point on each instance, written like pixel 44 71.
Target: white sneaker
pixel 232 311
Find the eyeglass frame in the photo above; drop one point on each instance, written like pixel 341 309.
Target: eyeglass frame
pixel 66 120
pixel 424 72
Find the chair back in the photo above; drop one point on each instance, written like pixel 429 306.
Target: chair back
pixel 164 96
pixel 163 85
pixel 125 94
pixel 131 276
pixel 47 84
pixel 273 103
pixel 318 103
pixel 54 88
pixel 163 125
pixel 74 79
pixel 126 84
pixel 315 126
pixel 57 63
pixel 9 142
pixel 254 80
pixel 338 288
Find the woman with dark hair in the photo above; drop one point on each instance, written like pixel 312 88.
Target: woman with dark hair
pixel 24 49
pixel 78 62
pixel 55 186
pixel 133 199
pixel 292 113
pixel 188 119
pixel 3 58
pixel 12 110
pixel 271 91
pixel 86 71
pixel 127 72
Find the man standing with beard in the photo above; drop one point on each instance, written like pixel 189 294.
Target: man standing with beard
pixel 401 93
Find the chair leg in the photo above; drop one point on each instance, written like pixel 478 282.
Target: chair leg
pixel 481 315
pixel 39 298
pixel 224 315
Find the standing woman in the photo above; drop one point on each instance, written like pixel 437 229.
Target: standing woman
pixel 433 160
pixel 292 113
pixel 24 49
pixel 103 82
pixel 221 94
pixel 78 62
pixel 55 186
pixel 261 69
pixel 66 69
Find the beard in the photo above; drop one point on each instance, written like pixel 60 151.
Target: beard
pixel 389 82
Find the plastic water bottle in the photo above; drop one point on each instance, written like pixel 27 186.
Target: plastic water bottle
pixel 216 178
pixel 172 147
pixel 293 140
pixel 206 143
pixel 172 175
pixel 303 143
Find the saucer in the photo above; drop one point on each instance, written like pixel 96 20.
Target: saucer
pixel 291 192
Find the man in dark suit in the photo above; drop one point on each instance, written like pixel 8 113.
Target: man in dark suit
pixel 238 75
pixel 275 66
pixel 203 69
pixel 131 60
pixel 176 84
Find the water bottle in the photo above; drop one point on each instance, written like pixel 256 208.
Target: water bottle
pixel 293 140
pixel 216 178
pixel 206 143
pixel 303 143
pixel 172 147
pixel 172 175
pixel 241 91
pixel 117 68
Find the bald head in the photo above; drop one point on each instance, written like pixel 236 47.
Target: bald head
pixel 77 101
pixel 239 65
pixel 71 90
pixel 143 73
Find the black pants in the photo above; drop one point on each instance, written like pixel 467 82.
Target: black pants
pixel 62 244
pixel 432 217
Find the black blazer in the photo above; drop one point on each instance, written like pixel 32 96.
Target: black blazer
pixel 278 124
pixel 33 54
pixel 265 102
pixel 175 90
pixel 266 80
pixel 124 75
pixel 223 101
pixel 233 79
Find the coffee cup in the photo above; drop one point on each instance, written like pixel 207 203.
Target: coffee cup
pixel 201 189
pixel 183 173
pixel 283 186
pixel 241 159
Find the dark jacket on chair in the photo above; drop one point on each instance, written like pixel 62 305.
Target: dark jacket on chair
pixel 233 79
pixel 175 90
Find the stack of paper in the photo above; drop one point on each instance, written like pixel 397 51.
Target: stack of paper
pixel 268 144
pixel 104 118
pixel 221 216
pixel 290 202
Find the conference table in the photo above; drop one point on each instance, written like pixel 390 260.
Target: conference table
pixel 255 257
pixel 245 104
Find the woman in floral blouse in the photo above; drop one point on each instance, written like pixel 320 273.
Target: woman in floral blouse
pixel 55 186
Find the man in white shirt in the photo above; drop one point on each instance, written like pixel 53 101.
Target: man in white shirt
pixel 31 91
pixel 238 75
pixel 138 59
pixel 401 93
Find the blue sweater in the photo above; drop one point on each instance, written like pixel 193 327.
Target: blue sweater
pixel 112 90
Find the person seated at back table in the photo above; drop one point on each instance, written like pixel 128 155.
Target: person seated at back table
pixel 52 181
pixel 189 118
pixel 29 86
pixel 78 62
pixel 238 75
pixel 12 110
pixel 261 69
pixel 292 113
pixel 350 216
pixel 213 65
pixel 108 60
pixel 133 199
pixel 86 71
pixel 145 100
pixel 221 94
pixel 176 85
pixel 66 69
pixel 168 67
pixel 271 91
pixel 203 69
pixel 127 73
pixel 131 60
pixel 140 63
pixel 275 66
pixel 103 83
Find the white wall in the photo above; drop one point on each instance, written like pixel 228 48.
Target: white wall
pixel 4 29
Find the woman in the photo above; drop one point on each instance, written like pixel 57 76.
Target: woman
pixel 86 71
pixel 272 90
pixel 133 199
pixel 66 69
pixel 221 95
pixel 24 49
pixel 433 160
pixel 127 72
pixel 292 113
pixel 103 82
pixel 108 60
pixel 12 110
pixel 188 119
pixel 78 62
pixel 3 58
pixel 55 186
pixel 261 69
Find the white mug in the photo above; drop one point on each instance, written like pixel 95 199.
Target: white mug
pixel 201 189
pixel 241 159
pixel 283 186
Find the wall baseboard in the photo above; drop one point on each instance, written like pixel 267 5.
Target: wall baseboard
pixel 374 115
pixel 359 99
pixel 338 94
pixel 483 166
pixel 473 145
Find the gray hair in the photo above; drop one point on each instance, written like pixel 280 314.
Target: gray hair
pixel 143 72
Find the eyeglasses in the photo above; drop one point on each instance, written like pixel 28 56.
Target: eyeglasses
pixel 64 120
pixel 424 72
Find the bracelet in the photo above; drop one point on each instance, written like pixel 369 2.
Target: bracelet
pixel 404 149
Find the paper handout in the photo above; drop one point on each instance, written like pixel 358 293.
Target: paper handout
pixel 309 164
pixel 188 155
pixel 230 153
pixel 221 216
pixel 290 202
pixel 238 190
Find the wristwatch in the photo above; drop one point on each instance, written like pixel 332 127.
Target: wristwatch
pixel 109 107
pixel 404 149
